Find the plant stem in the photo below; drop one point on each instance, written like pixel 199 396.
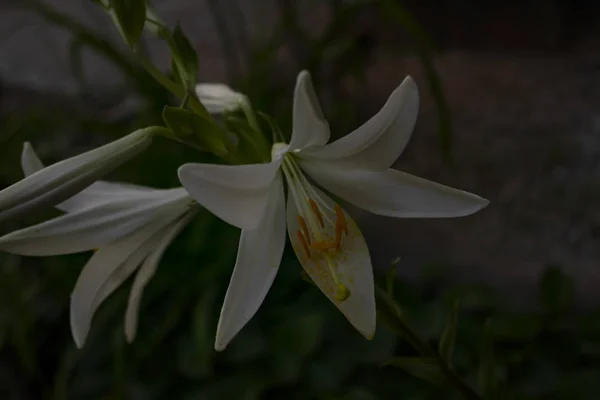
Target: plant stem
pixel 387 305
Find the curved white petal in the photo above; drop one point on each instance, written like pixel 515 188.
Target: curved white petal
pixel 310 128
pixel 380 141
pixel 60 181
pixel 351 263
pixel 258 258
pixel 98 192
pixel 238 194
pixel 106 270
pixel 93 227
pixel 146 272
pixel 218 97
pixel 393 193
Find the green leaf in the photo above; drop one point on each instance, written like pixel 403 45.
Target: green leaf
pixel 514 328
pixel 299 336
pixel 203 333
pixel 130 16
pixel 556 290
pixel 185 58
pixel 195 131
pixel 486 375
pixel 390 278
pixel 425 368
pixel 446 345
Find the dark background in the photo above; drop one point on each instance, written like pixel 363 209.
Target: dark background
pixel 516 119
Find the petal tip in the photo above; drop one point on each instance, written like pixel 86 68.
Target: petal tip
pixel 220 344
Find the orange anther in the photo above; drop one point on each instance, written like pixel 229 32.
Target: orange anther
pixel 304 242
pixel 317 212
pixel 323 245
pixel 338 235
pixel 304 228
pixel 341 219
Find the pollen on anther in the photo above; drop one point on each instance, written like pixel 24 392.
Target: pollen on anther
pixel 341 218
pixel 317 212
pixel 304 242
pixel 304 228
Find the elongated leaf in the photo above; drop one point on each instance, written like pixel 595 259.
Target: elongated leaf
pixel 203 333
pixel 446 345
pixel 185 57
pixel 194 130
pixel 487 367
pixel 424 368
pixel 130 16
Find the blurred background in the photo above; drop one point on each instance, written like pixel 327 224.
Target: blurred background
pixel 510 95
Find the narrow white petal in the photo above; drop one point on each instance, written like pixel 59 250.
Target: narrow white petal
pixel 238 194
pixel 380 141
pixel 351 263
pixel 97 193
pixel 258 258
pixel 108 268
pixel 60 181
pixel 93 227
pixel 146 272
pixel 393 193
pixel 310 127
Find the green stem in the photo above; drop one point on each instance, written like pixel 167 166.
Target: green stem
pixel 172 86
pixel 421 346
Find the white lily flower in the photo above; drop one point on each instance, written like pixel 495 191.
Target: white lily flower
pixel 128 226
pixel 58 182
pixel 218 98
pixel 327 241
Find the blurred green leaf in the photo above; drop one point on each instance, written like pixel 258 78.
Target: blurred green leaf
pixel 473 297
pixel 487 367
pixel 194 130
pixel 359 394
pixel 424 368
pixel 514 327
pixel 130 16
pixel 583 385
pixel 203 332
pixel 185 58
pixel 390 280
pixel 298 336
pixel 556 290
pixel 446 345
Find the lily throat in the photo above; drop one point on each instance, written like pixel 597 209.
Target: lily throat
pixel 321 226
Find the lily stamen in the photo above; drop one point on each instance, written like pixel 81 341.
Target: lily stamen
pixel 304 242
pixel 317 212
pixel 304 228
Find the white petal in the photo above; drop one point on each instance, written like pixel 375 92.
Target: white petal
pixel 238 194
pixel 393 193
pixel 98 192
pixel 146 272
pixel 352 265
pixel 310 128
pixel 258 258
pixel 60 181
pixel 218 98
pixel 30 162
pixel 108 268
pixel 380 141
pixel 94 227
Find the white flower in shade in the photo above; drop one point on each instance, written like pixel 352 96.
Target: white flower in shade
pixel 218 98
pixel 128 226
pixel 326 239
pixel 51 185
